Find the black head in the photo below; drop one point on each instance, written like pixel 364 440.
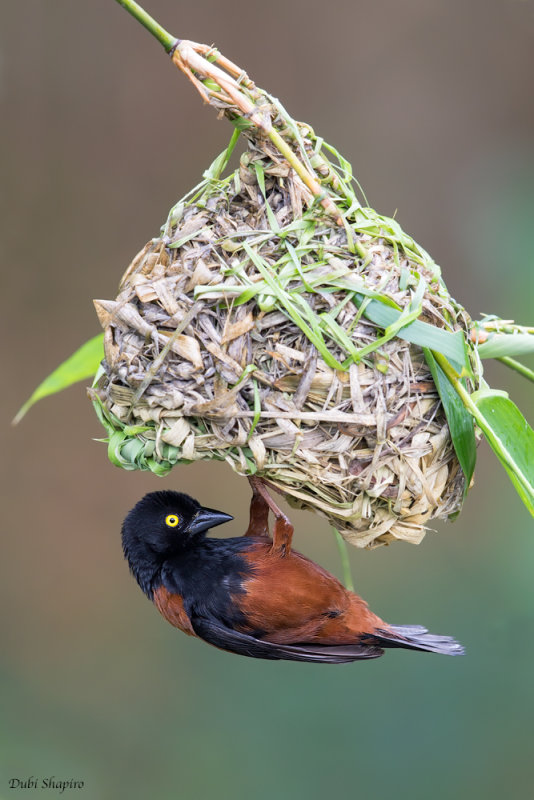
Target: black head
pixel 161 525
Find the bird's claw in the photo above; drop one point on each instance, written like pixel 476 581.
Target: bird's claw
pixel 260 505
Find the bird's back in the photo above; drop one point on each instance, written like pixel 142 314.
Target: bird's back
pixel 292 599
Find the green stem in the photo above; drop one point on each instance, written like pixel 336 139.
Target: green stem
pixel 463 394
pixel 309 180
pixel 518 366
pixel 345 563
pixel 454 378
pixel 283 147
pixel 164 37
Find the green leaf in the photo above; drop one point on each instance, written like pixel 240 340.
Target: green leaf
pixel 78 367
pixel 460 421
pixel 216 169
pixel 506 344
pixel 511 439
pixel 241 123
pixel 295 307
pixel 451 345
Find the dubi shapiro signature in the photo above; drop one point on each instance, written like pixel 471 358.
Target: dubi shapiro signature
pixel 50 782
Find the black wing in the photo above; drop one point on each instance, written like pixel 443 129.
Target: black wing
pixel 225 638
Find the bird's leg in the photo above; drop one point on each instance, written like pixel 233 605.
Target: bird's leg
pixel 259 512
pixel 283 529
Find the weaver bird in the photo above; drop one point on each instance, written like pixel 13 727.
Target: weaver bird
pixel 251 594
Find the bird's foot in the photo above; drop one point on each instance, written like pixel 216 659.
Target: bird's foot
pixel 259 512
pixel 260 505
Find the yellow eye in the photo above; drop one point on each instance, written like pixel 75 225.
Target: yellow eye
pixel 171 520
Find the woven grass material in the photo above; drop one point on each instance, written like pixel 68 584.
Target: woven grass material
pixel 204 362
pixel 243 333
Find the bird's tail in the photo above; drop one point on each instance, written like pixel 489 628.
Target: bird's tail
pixel 415 637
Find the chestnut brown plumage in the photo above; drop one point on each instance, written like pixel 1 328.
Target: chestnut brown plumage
pixel 254 595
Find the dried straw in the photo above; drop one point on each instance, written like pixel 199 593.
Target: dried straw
pixel 242 334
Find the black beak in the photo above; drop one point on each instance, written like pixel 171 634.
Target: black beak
pixel 207 518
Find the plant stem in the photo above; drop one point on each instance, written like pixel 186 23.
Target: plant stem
pixel 345 563
pixel 310 181
pixel 518 366
pixel 461 391
pixel 164 37
pixel 190 59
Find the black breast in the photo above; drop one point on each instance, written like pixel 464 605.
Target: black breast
pixel 208 575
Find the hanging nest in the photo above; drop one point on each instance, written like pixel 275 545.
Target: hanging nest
pixel 281 332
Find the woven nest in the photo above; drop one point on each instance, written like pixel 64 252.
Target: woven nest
pixel 204 359
pixel 263 330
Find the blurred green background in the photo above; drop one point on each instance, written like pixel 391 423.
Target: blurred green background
pixel 431 100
